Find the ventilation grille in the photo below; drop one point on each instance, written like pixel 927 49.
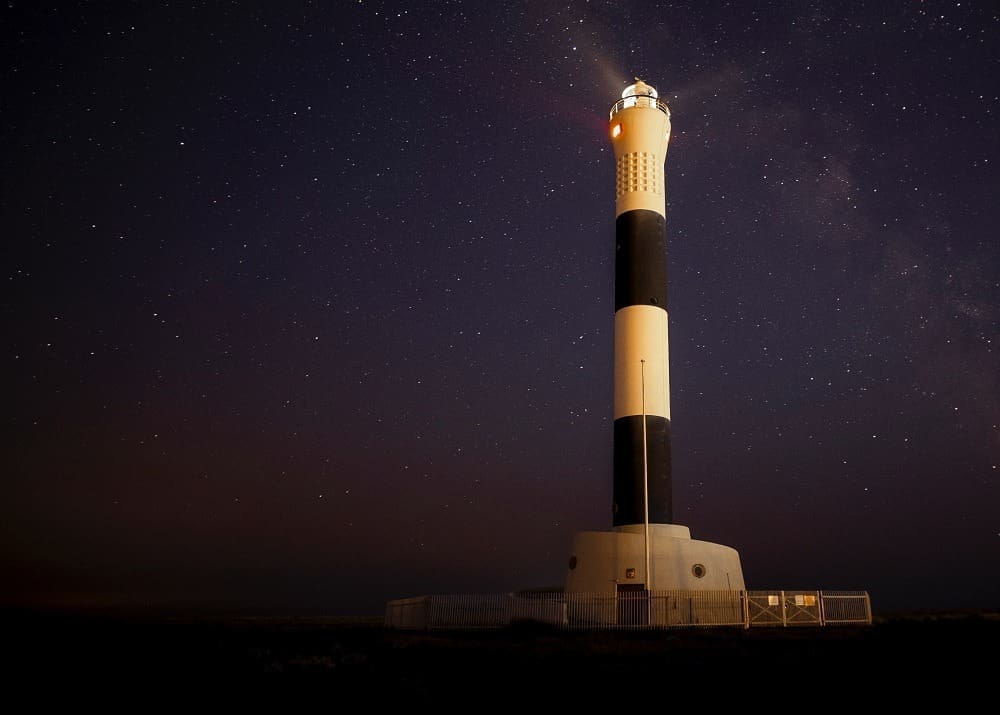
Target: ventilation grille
pixel 638 171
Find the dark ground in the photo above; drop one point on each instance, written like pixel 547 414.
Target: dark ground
pixel 916 652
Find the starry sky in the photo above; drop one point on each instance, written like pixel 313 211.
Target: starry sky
pixel 309 306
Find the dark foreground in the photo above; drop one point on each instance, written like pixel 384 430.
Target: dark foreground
pixel 949 652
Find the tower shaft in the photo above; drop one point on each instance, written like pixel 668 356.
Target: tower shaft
pixel 640 132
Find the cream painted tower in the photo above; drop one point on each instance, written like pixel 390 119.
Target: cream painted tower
pixel 644 551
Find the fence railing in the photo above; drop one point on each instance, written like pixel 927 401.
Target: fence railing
pixel 632 610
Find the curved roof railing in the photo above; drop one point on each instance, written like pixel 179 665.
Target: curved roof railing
pixel 640 101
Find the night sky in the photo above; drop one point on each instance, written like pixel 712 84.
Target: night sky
pixel 309 306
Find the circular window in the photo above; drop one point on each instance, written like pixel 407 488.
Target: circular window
pixel 698 570
pixel 572 562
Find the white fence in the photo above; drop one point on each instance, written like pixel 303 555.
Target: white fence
pixel 630 610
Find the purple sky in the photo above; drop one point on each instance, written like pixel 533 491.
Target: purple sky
pixel 309 305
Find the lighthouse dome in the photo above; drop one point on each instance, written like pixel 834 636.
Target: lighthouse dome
pixel 639 89
pixel 639 94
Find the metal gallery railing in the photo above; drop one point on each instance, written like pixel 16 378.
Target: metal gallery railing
pixel 630 610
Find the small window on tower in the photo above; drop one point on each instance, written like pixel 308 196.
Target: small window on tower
pixel 616 130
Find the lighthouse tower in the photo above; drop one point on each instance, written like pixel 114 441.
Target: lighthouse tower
pixel 644 551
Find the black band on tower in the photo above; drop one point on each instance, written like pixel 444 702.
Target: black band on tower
pixel 640 259
pixel 628 487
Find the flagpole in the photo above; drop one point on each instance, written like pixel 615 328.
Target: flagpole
pixel 645 484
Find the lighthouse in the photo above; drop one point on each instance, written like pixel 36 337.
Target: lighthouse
pixel 644 550
pixel 645 570
pixel 640 131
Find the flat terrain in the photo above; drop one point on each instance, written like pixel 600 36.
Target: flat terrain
pixel 947 651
